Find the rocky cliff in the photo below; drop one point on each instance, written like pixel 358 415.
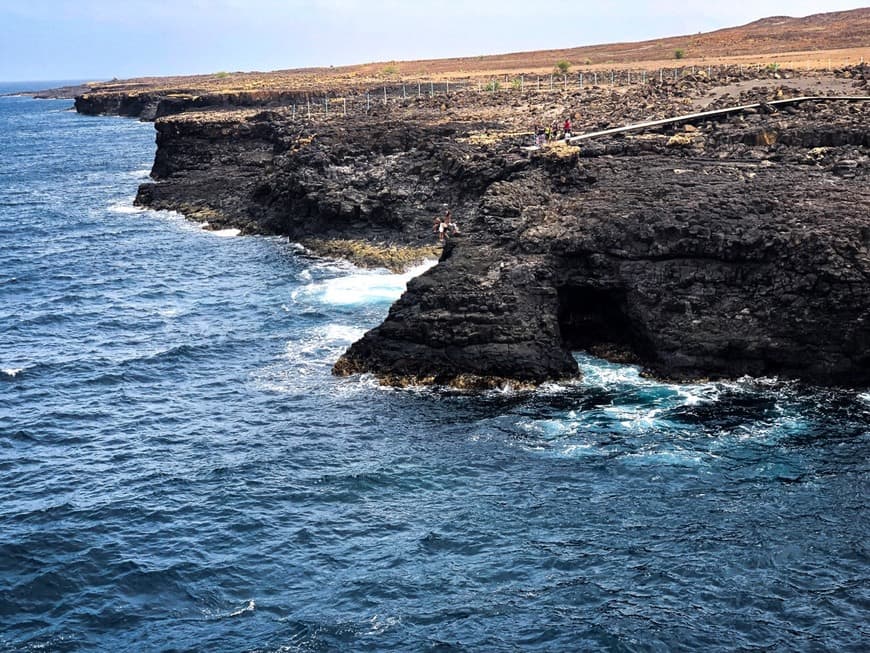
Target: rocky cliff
pixel 691 268
pixel 719 249
pixel 153 104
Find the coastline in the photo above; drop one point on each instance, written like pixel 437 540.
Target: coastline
pixel 621 244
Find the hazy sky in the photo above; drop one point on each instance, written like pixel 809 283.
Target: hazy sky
pixel 100 39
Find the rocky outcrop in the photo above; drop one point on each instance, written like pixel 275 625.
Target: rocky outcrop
pixel 721 249
pixel 706 270
pixel 153 104
pixel 267 172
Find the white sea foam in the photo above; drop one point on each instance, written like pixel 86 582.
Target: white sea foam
pixel 250 606
pixel 177 219
pixel 125 207
pixel 767 431
pixel 12 372
pixel 603 374
pixel 635 407
pixel 671 457
pixel 634 418
pixel 580 450
pixel 550 429
pixel 329 340
pixel 213 613
pixel 865 397
pixel 362 287
pixel 378 624
pixel 610 376
pixel 224 233
pixel 312 354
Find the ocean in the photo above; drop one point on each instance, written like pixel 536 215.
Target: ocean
pixel 179 470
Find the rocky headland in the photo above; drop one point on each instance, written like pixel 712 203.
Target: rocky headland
pixel 714 248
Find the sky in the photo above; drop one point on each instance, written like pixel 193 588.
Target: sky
pixel 102 39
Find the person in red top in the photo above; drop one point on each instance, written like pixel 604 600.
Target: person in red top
pixel 567 128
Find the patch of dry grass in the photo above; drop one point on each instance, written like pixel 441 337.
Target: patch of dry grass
pixel 397 258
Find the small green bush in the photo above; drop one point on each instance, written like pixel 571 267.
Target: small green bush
pixel 679 53
pixel 493 86
pixel 773 67
pixel 562 66
pixel 222 74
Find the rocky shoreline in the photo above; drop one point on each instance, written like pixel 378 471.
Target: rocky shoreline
pixel 716 249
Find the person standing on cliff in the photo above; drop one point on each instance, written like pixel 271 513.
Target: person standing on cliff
pixel 567 128
pixel 450 227
pixel 441 227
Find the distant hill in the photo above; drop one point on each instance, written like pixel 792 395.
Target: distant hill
pixel 845 33
pixel 774 35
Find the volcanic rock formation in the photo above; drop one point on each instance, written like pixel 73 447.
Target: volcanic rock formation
pixel 722 248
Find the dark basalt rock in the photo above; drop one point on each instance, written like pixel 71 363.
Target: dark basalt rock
pixel 150 105
pixel 715 250
pixel 693 273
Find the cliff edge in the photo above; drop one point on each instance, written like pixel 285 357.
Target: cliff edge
pixel 723 247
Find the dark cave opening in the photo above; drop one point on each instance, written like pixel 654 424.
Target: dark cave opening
pixel 596 318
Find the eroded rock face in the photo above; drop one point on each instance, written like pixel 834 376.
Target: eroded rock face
pixel 153 104
pixel 707 270
pixel 728 248
pixel 475 320
pixel 268 172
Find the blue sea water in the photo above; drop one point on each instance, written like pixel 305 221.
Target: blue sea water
pixel 180 471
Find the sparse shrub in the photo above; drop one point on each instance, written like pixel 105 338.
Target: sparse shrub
pixel 493 86
pixel 562 66
pixel 390 70
pixel 222 74
pixel 679 53
pixel 773 67
pixel 587 61
pixel 516 84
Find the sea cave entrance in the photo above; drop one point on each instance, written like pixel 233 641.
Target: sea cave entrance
pixel 596 319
